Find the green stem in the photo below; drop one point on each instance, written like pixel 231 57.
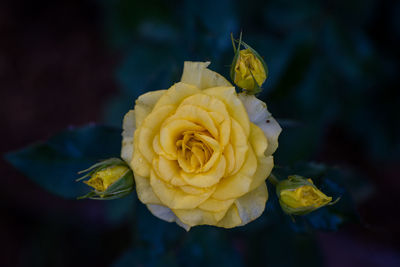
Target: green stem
pixel 273 180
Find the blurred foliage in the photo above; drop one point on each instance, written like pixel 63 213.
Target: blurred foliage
pixel 54 164
pixel 326 72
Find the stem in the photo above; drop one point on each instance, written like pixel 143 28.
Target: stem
pixel 273 180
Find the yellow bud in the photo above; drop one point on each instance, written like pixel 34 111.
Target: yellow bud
pixel 249 71
pixel 111 178
pixel 101 180
pixel 304 197
pixel 299 196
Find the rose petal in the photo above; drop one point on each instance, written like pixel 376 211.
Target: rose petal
pixel 206 179
pixel 139 163
pixel 166 214
pixel 233 104
pixel 197 216
pixel 214 205
pixel 196 73
pixel 239 145
pixel 258 114
pixel 175 198
pixel 264 168
pixel 239 183
pixel 129 127
pixel 231 218
pixel 170 132
pixel 150 127
pixel 145 104
pixel 176 93
pixel 144 191
pixel 258 140
pixel 251 205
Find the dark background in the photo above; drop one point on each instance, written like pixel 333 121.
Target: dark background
pixel 334 85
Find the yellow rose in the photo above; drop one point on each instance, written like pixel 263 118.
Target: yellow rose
pixel 247 69
pixel 299 196
pixel 200 152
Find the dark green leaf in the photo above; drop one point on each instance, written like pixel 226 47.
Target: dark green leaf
pixel 54 164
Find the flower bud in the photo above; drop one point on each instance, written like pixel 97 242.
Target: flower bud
pixel 109 179
pixel 250 73
pixel 299 196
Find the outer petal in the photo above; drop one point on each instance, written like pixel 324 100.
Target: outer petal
pixel 139 164
pixel 129 127
pixel 144 191
pixel 149 128
pixel 252 205
pixel 213 204
pixel 258 114
pixel 196 73
pixel 174 197
pixel 264 168
pixel 166 214
pixel 258 140
pixel 231 218
pixel 145 104
pixel 197 216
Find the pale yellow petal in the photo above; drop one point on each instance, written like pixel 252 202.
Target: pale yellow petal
pixel 166 169
pixel 197 216
pixel 272 130
pixel 196 73
pixel 230 159
pixel 129 127
pixel 231 218
pixel 197 115
pixel 144 191
pixel 150 127
pixel 251 205
pixel 239 183
pixel 145 104
pixel 174 197
pixel 176 93
pixel 139 163
pixel 208 103
pixel 259 115
pixel 217 111
pixel 216 148
pixel 264 168
pixel 258 140
pixel 170 132
pixel 233 104
pixel 166 214
pixel 239 145
pixel 215 205
pixel 206 179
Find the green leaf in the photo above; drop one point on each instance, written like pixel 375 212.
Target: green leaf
pixel 54 163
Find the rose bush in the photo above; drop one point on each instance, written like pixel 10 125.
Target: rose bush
pixel 200 152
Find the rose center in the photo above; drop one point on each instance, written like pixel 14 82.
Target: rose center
pixel 193 151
